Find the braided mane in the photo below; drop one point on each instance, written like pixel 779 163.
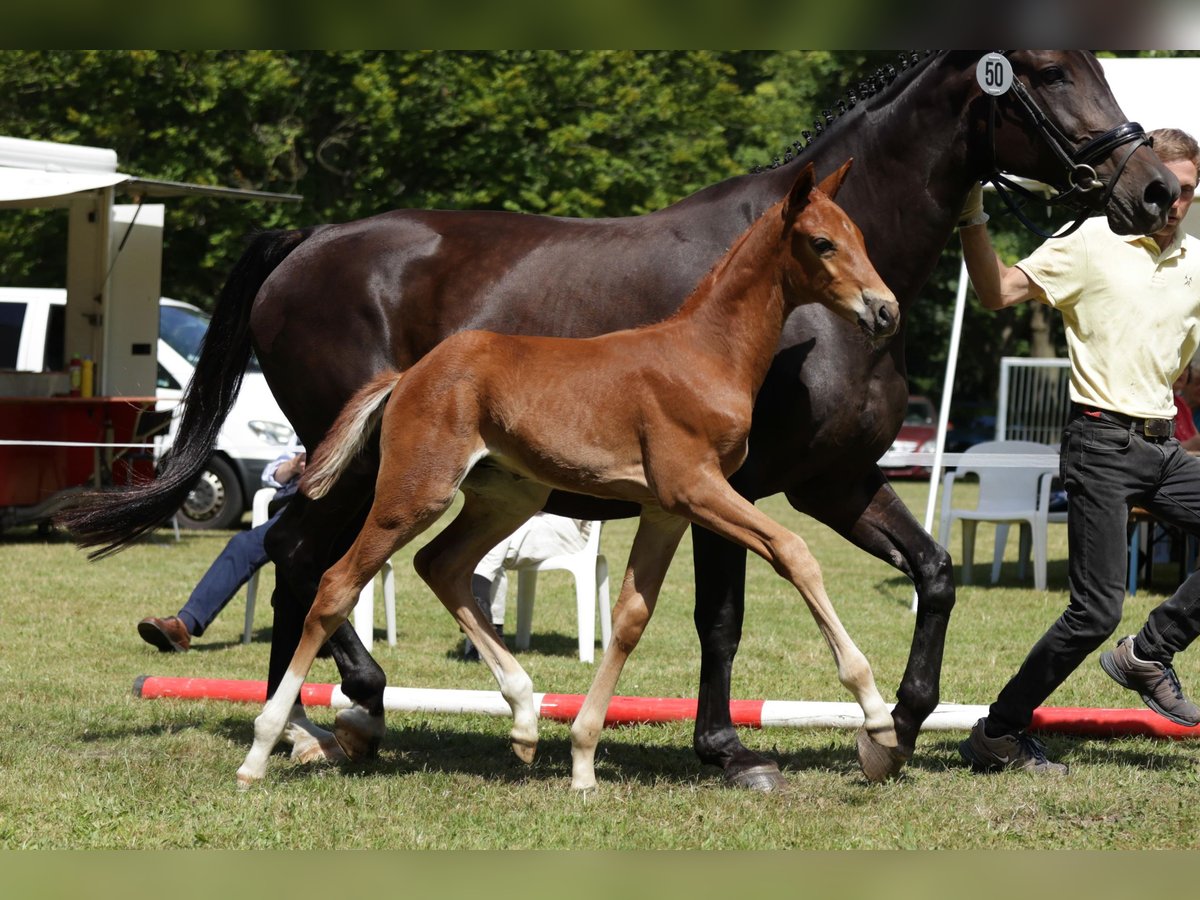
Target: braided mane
pixel 883 77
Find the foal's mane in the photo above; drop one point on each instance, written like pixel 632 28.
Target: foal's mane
pixel 881 87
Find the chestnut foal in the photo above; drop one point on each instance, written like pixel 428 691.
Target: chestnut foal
pixel 508 418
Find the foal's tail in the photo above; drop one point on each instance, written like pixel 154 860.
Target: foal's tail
pixel 112 519
pixel 353 426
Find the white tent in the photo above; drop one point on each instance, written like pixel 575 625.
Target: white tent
pixel 114 253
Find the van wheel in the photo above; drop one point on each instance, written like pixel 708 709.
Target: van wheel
pixel 215 500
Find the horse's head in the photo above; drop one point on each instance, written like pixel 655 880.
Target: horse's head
pixel 828 262
pixel 1049 115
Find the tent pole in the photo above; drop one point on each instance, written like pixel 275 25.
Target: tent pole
pixel 960 301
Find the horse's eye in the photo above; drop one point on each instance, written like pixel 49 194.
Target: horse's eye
pixel 1053 75
pixel 822 246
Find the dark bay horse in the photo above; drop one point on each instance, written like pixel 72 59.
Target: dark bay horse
pixel 500 417
pixel 329 308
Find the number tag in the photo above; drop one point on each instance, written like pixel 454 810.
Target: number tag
pixel 994 74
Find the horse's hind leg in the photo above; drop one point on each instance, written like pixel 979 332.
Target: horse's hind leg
pixel 386 530
pixel 711 502
pixel 654 545
pixel 495 507
pixel 310 537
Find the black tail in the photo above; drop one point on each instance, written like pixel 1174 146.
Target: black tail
pixel 112 519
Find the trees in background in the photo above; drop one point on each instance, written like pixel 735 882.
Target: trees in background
pixel 579 133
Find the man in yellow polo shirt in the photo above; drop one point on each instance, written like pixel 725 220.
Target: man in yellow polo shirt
pixel 1131 309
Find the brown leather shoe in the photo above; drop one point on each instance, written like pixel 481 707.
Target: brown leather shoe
pixel 169 634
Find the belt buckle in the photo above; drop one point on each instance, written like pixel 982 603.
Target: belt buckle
pixel 1157 428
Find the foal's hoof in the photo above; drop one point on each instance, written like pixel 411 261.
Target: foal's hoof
pixel 525 750
pixel 358 733
pixel 765 778
pixel 245 781
pixel 878 762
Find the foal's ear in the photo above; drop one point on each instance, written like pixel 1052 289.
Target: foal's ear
pixel 829 187
pixel 798 196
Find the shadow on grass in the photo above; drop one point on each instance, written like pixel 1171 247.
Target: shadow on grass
pixel 436 748
pixel 899 587
pixel 552 643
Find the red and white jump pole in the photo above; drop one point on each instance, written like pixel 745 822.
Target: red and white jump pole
pixel 1080 721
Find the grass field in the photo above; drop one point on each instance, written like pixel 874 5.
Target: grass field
pixel 84 764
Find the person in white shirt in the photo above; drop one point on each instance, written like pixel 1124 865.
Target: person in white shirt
pixel 1131 310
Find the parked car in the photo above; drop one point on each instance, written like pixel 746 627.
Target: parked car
pixel 918 434
pixel 255 432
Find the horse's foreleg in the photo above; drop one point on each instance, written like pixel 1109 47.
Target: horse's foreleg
pixel 874 518
pixel 653 547
pixel 720 577
pixel 715 505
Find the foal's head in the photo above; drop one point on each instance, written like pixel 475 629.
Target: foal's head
pixel 828 260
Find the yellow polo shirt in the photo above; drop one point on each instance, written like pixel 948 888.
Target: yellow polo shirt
pixel 1132 314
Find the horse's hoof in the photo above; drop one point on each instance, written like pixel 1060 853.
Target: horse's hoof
pixel 878 762
pixel 358 733
pixel 525 750
pixel 245 780
pixel 583 785
pixel 765 778
pixel 318 750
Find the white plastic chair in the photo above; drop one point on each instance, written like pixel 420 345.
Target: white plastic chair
pixel 1006 496
pixel 364 610
pixel 590 571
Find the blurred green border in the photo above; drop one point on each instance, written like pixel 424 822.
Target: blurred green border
pixel 462 24
pixel 595 24
pixel 525 875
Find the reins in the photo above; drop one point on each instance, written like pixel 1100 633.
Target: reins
pixel 1080 173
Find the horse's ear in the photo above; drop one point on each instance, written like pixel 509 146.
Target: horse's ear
pixel 798 196
pixel 829 187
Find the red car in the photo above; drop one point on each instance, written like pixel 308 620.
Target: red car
pixel 918 434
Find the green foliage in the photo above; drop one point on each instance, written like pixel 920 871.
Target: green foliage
pixel 358 133
pixel 576 133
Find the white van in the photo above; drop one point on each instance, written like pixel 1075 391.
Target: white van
pixel 254 433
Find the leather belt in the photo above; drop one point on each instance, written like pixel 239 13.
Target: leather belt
pixel 1151 429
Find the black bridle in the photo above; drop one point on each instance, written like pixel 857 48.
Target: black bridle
pixel 1080 196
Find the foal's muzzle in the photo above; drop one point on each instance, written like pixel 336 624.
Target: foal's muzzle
pixel 881 314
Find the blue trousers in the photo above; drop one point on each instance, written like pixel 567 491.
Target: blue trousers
pixel 242 557
pixel 1106 469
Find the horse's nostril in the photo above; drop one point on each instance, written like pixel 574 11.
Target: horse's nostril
pixel 1159 194
pixel 884 317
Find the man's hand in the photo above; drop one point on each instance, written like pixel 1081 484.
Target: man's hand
pixel 972 211
pixel 291 469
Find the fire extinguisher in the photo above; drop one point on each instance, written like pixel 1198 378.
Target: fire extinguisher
pixel 75 369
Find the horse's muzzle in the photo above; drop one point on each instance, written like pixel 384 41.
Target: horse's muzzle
pixel 881 315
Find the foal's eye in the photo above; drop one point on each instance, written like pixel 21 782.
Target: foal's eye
pixel 823 246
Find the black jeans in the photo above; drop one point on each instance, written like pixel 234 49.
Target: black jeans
pixel 1106 469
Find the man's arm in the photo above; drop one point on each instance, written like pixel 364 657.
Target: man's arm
pixel 996 284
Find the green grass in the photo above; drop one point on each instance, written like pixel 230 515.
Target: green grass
pixel 83 764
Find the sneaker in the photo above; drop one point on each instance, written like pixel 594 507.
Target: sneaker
pixel 1156 684
pixel 988 754
pixel 168 635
